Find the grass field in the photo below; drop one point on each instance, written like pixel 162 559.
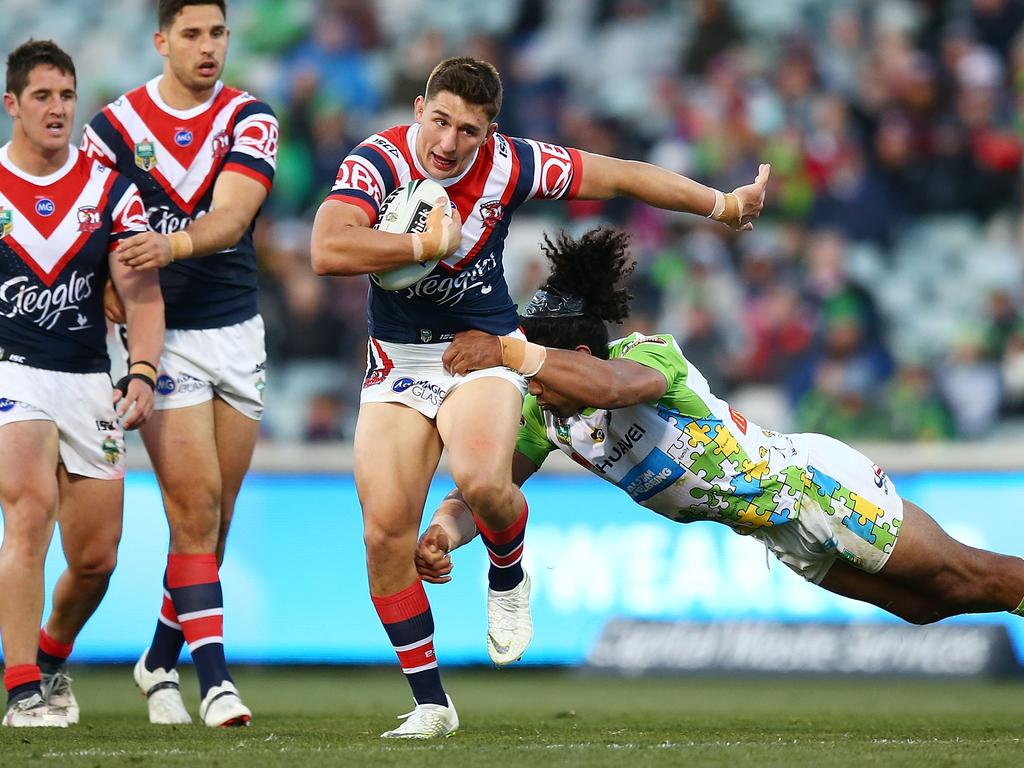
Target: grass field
pixel 332 717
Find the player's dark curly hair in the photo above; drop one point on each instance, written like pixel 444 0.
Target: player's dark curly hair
pixel 593 268
pixel 29 55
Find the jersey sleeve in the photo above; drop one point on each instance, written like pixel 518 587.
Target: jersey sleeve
pixel 532 440
pixel 658 352
pixel 547 171
pixel 96 140
pixel 369 174
pixel 128 214
pixel 254 141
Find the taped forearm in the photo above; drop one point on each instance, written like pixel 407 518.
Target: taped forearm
pixel 522 356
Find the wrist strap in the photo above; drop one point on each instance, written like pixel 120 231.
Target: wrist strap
pixel 145 363
pixel 522 356
pixel 719 207
pixel 181 244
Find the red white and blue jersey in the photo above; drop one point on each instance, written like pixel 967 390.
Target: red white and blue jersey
pixel 174 157
pixel 56 234
pixel 466 290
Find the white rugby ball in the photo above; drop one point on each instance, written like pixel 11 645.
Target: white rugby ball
pixel 406 210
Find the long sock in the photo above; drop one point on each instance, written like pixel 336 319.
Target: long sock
pixel 21 681
pixel 51 654
pixel 168 638
pixel 195 590
pixel 505 548
pixel 410 626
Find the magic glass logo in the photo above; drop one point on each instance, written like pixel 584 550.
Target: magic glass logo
pixel 45 206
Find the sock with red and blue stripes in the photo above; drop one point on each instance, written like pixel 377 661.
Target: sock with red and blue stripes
pixel 410 626
pixel 21 681
pixel 505 549
pixel 194 584
pixel 51 654
pixel 168 639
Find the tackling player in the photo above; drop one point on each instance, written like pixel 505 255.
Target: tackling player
pixel 61 442
pixel 821 507
pixel 203 156
pixel 410 407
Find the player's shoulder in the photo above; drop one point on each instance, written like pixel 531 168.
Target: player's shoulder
pixel 663 343
pixel 243 101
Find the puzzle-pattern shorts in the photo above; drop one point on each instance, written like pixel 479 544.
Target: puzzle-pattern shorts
pixel 850 511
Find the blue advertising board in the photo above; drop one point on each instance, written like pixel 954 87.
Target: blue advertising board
pixel 295 582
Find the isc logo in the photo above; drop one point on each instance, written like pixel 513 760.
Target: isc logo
pixel 45 206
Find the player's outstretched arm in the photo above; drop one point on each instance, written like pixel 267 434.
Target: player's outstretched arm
pixel 344 243
pixel 452 526
pixel 236 201
pixel 605 177
pixel 144 314
pixel 577 375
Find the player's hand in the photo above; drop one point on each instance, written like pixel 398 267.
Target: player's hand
pixel 146 250
pixel 433 561
pixel 113 307
pixel 751 200
pixel 443 234
pixel 471 351
pixel 135 405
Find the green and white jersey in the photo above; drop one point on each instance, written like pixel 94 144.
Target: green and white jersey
pixel 688 456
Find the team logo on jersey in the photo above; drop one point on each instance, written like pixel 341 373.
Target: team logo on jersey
pixel 491 212
pixel 562 432
pixel 89 218
pixel 220 144
pixel 6 222
pixel 45 206
pixel 183 137
pixel 598 436
pixel 145 155
pixel 111 453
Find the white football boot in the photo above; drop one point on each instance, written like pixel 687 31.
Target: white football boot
pixel 509 626
pixel 33 712
pixel 58 694
pixel 223 708
pixel 427 721
pixel 163 694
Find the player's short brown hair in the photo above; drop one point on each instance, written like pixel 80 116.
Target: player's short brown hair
pixel 167 10
pixel 29 55
pixel 472 80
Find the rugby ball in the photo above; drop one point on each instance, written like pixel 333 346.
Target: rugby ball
pixel 406 210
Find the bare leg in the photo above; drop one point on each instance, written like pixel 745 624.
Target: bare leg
pixel 28 496
pixel 90 529
pixel 236 436
pixel 931 575
pixel 478 423
pixel 396 453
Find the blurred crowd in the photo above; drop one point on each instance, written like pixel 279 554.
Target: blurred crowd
pixel 881 295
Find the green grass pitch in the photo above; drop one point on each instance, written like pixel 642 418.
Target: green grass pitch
pixel 523 717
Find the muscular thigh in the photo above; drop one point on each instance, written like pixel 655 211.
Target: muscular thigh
pixel 396 453
pixel 181 443
pixel 478 423
pixel 90 515
pixel 29 455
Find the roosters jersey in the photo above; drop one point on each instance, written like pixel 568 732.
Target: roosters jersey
pixel 56 233
pixel 174 157
pixel 466 290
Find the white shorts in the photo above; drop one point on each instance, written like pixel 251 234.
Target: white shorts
pixel 412 374
pixel 850 511
pixel 79 404
pixel 230 362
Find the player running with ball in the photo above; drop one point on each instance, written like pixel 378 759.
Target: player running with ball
pixel 410 407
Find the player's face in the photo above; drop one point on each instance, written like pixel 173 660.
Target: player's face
pixel 195 46
pixel 451 132
pixel 45 110
pixel 549 400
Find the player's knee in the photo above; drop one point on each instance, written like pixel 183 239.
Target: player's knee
pixel 29 526
pixel 95 563
pixel 484 494
pixel 384 543
pixel 195 533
